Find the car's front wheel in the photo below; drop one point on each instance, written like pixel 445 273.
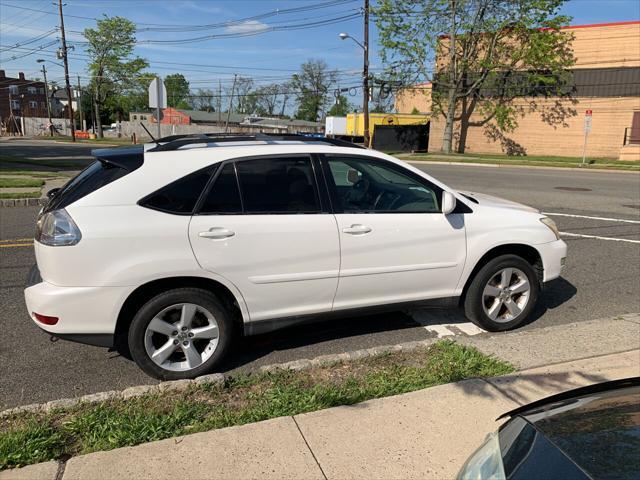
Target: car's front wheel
pixel 180 333
pixel 503 294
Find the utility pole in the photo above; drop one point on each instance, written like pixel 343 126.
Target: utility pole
pixel 365 73
pixel 93 114
pixel 80 105
pixel 46 93
pixel 233 89
pixel 219 106
pixel 66 73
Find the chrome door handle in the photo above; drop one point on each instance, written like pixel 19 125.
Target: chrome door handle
pixel 217 233
pixel 356 229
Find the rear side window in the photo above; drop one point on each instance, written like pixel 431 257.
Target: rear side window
pixel 95 176
pixel 181 196
pixel 278 185
pixel 223 196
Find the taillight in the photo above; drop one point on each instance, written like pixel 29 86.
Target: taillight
pixel 57 229
pixel 47 320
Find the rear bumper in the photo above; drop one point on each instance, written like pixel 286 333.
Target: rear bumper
pixel 85 314
pixel 553 256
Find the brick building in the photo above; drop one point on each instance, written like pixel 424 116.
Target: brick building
pixel 605 81
pixel 22 96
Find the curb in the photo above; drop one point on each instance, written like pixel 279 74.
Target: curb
pixel 294 365
pixel 504 165
pixel 22 202
pixel 217 378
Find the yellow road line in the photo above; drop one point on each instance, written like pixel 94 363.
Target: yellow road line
pixel 9 240
pixel 14 245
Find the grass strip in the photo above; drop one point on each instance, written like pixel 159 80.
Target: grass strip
pixel 5 195
pixel 31 173
pixel 20 182
pixel 245 398
pixel 565 162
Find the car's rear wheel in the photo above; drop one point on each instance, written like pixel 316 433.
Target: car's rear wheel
pixel 503 294
pixel 180 333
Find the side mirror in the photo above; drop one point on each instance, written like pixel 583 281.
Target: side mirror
pixel 52 192
pixel 448 202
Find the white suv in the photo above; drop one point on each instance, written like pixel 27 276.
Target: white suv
pixel 167 249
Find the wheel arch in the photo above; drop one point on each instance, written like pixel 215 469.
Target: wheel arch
pixel 524 251
pixel 145 292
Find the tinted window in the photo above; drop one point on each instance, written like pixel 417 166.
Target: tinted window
pixel 368 186
pixel 600 432
pixel 95 176
pixel 180 196
pixel 223 197
pixel 278 185
pixel 528 454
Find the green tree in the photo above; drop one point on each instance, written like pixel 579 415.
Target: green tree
pixel 177 91
pixel 483 54
pixel 112 65
pixel 340 108
pixel 204 100
pixel 268 99
pixel 311 87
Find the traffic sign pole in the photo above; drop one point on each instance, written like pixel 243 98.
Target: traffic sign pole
pixel 158 99
pixel 587 129
pixel 159 94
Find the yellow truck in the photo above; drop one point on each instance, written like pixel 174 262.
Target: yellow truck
pixel 355 121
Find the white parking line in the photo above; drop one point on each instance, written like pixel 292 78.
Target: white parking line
pixel 433 321
pixel 440 330
pixel 612 239
pixel 469 328
pixel 591 218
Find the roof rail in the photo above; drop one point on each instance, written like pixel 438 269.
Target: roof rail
pixel 175 142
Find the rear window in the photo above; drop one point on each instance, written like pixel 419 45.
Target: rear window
pixel 95 176
pixel 224 196
pixel 179 197
pixel 278 185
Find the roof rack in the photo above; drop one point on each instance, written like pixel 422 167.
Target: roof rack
pixel 174 142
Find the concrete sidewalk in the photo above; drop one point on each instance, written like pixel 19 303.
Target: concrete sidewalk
pixel 423 435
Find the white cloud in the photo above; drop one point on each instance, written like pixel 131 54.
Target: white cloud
pixel 247 27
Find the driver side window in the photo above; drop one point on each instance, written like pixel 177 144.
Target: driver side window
pixel 363 185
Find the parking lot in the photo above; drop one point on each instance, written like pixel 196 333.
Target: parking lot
pixel 598 213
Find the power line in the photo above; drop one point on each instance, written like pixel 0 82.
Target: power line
pixel 30 41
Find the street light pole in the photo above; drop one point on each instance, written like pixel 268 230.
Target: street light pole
pixel 66 73
pixel 46 94
pixel 365 73
pixel 80 105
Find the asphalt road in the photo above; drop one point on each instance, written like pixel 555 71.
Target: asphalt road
pixel 601 279
pixel 44 149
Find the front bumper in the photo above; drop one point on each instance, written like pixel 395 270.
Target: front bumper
pixel 86 314
pixel 553 256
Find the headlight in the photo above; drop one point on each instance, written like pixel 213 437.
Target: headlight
pixel 552 226
pixel 57 229
pixel 485 463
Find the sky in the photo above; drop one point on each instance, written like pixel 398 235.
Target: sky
pixel 268 57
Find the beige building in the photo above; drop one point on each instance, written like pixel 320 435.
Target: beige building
pixel 606 78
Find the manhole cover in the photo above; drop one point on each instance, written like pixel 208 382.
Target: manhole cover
pixel 573 189
pixel 637 207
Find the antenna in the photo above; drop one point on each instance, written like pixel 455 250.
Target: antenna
pixel 149 133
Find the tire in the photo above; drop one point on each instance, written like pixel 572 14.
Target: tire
pixel 181 342
pixel 480 304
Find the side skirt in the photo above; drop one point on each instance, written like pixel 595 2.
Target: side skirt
pixel 272 324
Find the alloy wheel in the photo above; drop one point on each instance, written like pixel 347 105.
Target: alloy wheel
pixel 181 337
pixel 506 295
